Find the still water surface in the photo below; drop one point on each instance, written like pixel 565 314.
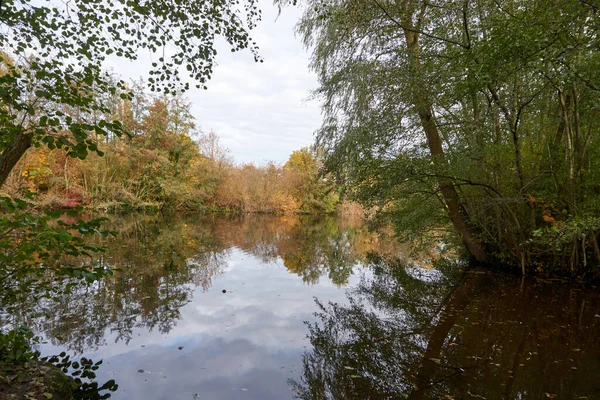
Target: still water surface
pixel 266 307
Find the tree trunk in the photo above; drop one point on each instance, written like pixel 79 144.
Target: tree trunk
pixel 12 154
pixel 570 150
pixel 424 108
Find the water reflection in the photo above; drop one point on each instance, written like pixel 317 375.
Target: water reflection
pixel 409 333
pixel 383 330
pixel 161 262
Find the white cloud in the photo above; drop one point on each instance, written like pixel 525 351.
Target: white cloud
pixel 260 110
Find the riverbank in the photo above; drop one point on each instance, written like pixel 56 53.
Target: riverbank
pixel 347 209
pixel 34 380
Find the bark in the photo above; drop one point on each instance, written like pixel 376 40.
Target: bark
pixel 424 107
pixel 570 149
pixel 12 154
pixel 596 248
pixel 512 118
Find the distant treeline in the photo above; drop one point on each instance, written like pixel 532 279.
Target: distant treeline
pixel 164 160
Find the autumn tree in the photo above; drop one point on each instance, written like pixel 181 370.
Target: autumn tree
pixel 211 147
pixel 58 51
pixel 313 192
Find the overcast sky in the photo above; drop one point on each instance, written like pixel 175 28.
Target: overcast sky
pixel 260 111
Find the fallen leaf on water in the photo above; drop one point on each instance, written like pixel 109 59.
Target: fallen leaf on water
pixel 435 360
pixel 475 395
pixel 140 371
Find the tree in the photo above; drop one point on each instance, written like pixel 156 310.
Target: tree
pixel 210 146
pixel 476 113
pixel 58 50
pixel 314 193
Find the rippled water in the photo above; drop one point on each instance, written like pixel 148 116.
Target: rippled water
pixel 224 308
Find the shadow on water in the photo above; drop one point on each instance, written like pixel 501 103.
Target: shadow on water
pixel 416 334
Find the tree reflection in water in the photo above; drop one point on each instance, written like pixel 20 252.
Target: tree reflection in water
pixel 417 334
pixel 160 263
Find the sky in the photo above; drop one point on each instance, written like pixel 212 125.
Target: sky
pixel 260 111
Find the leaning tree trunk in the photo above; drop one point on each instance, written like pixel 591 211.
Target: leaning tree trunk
pixel 424 108
pixel 12 154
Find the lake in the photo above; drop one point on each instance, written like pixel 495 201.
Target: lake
pixel 266 307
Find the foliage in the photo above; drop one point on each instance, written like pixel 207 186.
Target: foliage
pixel 53 55
pixel 17 356
pixel 83 373
pixel 38 251
pixel 164 161
pixel 167 162
pixel 15 345
pixel 479 114
pixel 34 247
pixel 315 192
